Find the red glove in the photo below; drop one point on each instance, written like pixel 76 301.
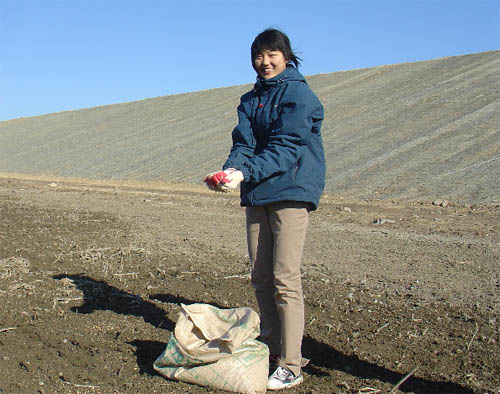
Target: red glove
pixel 224 181
pixel 210 182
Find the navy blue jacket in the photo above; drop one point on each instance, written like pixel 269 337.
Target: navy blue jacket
pixel 277 143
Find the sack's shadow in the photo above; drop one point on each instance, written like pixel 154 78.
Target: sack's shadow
pixel 99 295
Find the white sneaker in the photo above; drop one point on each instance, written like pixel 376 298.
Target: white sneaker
pixel 283 378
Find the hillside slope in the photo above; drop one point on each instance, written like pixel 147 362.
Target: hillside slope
pixel 409 131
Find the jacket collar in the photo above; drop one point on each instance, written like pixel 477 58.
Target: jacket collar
pixel 289 74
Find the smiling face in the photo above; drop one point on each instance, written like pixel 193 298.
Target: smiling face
pixel 269 63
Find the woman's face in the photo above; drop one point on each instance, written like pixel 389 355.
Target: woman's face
pixel 268 63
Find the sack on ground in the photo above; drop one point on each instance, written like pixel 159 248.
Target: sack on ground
pixel 218 348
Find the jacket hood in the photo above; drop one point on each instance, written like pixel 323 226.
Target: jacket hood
pixel 289 74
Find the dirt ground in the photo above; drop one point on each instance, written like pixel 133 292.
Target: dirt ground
pixel 92 275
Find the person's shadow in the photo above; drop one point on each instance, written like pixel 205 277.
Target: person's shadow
pixel 326 357
pixel 99 295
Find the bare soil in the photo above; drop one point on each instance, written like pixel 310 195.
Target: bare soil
pixel 92 275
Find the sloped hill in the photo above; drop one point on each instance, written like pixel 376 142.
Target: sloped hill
pixel 410 131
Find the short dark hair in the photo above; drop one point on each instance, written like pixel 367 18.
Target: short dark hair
pixel 274 40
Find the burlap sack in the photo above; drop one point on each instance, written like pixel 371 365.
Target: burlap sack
pixel 216 347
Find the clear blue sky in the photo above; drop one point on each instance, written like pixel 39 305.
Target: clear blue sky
pixel 58 55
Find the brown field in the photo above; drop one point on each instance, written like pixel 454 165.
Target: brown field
pixel 92 275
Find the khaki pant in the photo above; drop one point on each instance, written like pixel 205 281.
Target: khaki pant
pixel 275 236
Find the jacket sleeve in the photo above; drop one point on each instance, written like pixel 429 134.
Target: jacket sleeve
pixel 243 147
pixel 299 112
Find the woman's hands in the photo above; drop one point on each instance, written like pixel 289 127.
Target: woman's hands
pixel 224 181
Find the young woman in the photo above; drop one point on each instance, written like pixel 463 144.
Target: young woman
pixel 277 156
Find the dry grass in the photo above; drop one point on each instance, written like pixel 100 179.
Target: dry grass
pixel 427 130
pixel 14 267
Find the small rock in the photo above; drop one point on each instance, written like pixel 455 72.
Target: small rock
pixel 52 184
pixel 383 221
pixel 347 209
pixel 440 203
